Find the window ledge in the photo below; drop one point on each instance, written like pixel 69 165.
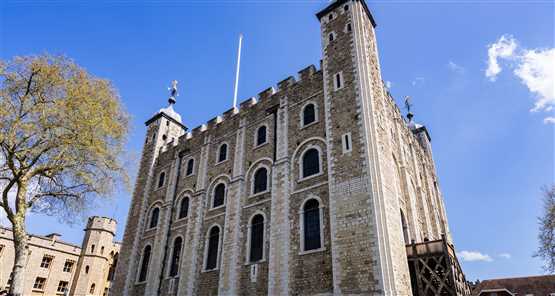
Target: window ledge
pixel 255 262
pixel 310 177
pixel 182 219
pixel 210 270
pixel 312 251
pixel 309 125
pixel 218 207
pixel 259 193
pixel 190 175
pixel 260 145
pixel 220 162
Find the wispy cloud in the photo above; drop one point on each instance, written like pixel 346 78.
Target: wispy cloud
pixel 455 67
pixel 503 48
pixel 549 120
pixel 505 255
pixel 388 84
pixel 534 67
pixel 417 81
pixel 474 256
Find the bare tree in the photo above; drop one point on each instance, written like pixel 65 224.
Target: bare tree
pixel 62 132
pixel 546 250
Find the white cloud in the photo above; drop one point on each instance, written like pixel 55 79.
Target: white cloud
pixel 455 67
pixel 388 84
pixel 474 256
pixel 503 48
pixel 537 72
pixel 534 67
pixel 548 120
pixel 505 255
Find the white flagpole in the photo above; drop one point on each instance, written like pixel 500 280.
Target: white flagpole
pixel 237 73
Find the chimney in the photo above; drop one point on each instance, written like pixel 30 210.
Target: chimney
pixel 54 237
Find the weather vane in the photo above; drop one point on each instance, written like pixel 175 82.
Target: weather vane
pixel 173 92
pixel 408 104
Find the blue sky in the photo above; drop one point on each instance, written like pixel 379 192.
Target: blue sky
pixel 492 153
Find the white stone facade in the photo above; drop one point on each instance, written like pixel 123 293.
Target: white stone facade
pixel 54 265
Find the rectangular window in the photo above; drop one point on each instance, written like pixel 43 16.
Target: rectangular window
pixel 347 143
pixel 62 286
pixel 39 283
pixel 46 261
pixel 68 266
pixel 338 81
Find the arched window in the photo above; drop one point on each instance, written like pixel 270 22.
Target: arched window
pixel 190 167
pixel 312 235
pixel 311 162
pixel 260 180
pixel 176 256
pixel 91 291
pixel 154 217
pixel 212 248
pixel 405 228
pixel 222 154
pixel 102 250
pixel 86 269
pixel 219 195
pixel 183 208
pixel 256 252
pixel 144 264
pixel 309 114
pixel 261 135
pixel 161 179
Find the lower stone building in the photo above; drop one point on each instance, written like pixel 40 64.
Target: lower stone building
pixel 55 267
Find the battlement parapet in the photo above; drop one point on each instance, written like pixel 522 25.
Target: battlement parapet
pixel 304 76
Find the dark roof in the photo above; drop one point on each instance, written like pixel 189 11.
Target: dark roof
pixel 337 3
pixel 162 114
pixel 536 285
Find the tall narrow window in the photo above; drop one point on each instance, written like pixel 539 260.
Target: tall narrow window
pixel 330 37
pixel 144 264
pixel 256 238
pixel 311 163
pixel 219 195
pixel 184 207
pixel 190 167
pixel 347 143
pixel 311 223
pixel 338 81
pixel 161 179
pixel 93 286
pixel 261 135
pixel 260 180
pixel 176 256
pixel 212 252
pixel 154 217
pixel 405 228
pixel 309 114
pixel 222 154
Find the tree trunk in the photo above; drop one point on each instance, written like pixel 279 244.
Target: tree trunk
pixel 20 242
pixel 21 252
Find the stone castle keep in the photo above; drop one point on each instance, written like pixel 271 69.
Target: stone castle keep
pixel 317 187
